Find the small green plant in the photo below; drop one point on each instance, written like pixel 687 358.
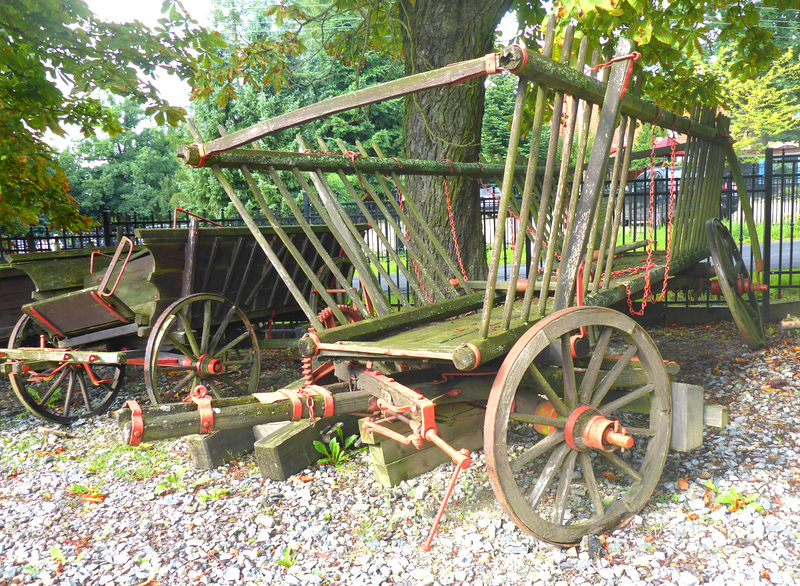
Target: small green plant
pixel 336 451
pixel 57 555
pixel 212 494
pixel 287 557
pixel 734 499
pixel 29 569
pixel 172 482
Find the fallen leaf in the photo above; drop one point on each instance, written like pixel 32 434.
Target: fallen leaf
pixel 683 483
pixel 13 475
pixel 716 507
pixel 777 501
pixel 693 516
pixel 709 496
pixel 303 478
pixel 610 476
pixel 97 497
pixel 765 574
pixel 741 360
pixel 649 538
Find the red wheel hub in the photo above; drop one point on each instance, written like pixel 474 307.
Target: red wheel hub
pixel 587 429
pixel 207 366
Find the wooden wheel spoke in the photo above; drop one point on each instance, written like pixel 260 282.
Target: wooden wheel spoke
pixel 232 343
pixel 204 337
pixel 534 476
pixel 84 392
pixel 174 390
pixel 564 484
pixel 544 387
pixel 612 376
pixel 212 386
pixel 626 399
pixel 568 370
pixel 528 418
pixel 585 461
pixel 69 393
pixel 212 349
pixel 590 377
pixel 621 465
pixel 187 331
pixel 53 387
pixel 180 347
pixel 646 432
pixel 548 474
pixel 537 450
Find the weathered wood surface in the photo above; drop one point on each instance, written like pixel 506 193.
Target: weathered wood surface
pixel 331 163
pixel 58 271
pixel 215 449
pixel 181 419
pixel 558 76
pixel 16 289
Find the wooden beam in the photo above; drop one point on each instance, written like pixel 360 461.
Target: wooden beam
pixel 452 74
pixel 561 77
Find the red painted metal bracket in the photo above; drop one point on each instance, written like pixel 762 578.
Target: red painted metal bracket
pixel 137 423
pixel 202 399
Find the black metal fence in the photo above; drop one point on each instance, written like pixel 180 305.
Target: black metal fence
pixel 772 183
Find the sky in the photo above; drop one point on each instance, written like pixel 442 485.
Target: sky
pixel 148 12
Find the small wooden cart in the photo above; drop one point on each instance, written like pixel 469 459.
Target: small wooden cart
pixel 187 305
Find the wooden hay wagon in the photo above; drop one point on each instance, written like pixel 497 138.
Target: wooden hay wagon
pixel 574 397
pixel 185 304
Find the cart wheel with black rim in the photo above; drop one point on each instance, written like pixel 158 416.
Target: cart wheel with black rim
pixel 201 339
pixel 735 284
pixel 61 391
pixel 588 457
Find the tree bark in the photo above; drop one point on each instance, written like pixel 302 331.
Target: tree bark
pixel 446 123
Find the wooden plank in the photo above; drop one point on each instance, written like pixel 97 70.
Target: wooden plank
pixel 592 187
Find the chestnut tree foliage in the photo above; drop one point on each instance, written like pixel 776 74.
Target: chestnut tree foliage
pixel 56 60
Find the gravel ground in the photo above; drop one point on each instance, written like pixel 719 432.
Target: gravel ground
pixel 84 509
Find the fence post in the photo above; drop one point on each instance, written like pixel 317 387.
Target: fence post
pixel 767 231
pixel 106 226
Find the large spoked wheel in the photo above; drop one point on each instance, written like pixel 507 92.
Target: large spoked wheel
pixel 735 284
pixel 62 392
pixel 558 470
pixel 201 339
pixel 328 279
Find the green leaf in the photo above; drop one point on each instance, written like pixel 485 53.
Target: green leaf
pixel 321 448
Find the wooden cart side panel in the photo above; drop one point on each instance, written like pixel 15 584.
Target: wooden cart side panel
pixel 16 289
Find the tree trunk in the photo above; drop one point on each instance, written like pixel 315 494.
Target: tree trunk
pixel 446 123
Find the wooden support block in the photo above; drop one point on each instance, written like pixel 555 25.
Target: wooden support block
pixel 687 417
pixel 287 450
pixel 715 416
pixel 211 450
pixel 421 461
